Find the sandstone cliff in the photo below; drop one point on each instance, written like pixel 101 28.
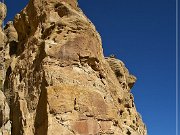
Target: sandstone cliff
pixel 57 80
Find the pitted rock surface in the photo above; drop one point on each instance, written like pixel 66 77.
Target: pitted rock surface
pixel 58 81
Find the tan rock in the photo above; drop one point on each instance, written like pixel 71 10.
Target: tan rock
pixel 125 79
pixel 10 32
pixel 58 79
pixel 3 11
pixel 5 126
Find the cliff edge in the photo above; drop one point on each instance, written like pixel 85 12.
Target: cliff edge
pixel 57 80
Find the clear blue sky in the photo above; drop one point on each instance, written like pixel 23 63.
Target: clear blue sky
pixel 142 34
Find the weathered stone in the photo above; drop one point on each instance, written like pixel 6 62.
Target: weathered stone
pixel 125 79
pixel 5 125
pixel 3 12
pixel 10 32
pixel 57 79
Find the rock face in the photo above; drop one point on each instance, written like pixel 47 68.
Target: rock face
pixel 5 125
pixel 57 80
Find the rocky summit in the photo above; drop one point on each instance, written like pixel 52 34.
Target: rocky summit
pixel 55 79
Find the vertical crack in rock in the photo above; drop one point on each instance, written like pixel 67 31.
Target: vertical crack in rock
pixel 41 118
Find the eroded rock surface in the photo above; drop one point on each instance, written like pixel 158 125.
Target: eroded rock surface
pixel 58 81
pixel 5 125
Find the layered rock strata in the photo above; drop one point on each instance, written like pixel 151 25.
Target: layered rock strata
pixel 57 80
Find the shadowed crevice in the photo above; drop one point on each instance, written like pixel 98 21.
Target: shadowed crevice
pixel 41 119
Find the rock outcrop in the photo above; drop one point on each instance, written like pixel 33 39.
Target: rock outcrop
pixel 5 125
pixel 57 80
